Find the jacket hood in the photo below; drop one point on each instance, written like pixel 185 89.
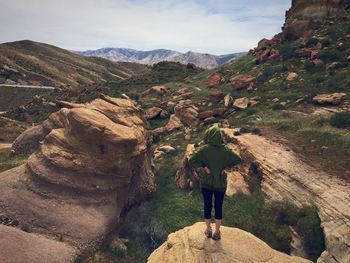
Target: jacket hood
pixel 213 136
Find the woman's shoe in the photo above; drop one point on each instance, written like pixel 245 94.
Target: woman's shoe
pixel 208 233
pixel 217 235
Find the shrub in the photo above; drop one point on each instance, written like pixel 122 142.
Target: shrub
pixel 256 131
pixel 329 55
pixel 326 42
pixel 311 42
pixel 245 129
pixel 287 50
pixel 277 106
pixel 340 120
pixel 308 226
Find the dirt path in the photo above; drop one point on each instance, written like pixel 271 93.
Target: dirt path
pixel 285 176
pixel 5 145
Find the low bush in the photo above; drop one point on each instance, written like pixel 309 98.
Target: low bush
pixel 330 55
pixel 340 120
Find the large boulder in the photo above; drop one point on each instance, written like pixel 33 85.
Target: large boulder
pixel 334 99
pixel 187 112
pixel 174 123
pixel 243 81
pixel 91 166
pixel 190 245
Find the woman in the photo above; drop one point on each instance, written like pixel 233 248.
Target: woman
pixel 214 157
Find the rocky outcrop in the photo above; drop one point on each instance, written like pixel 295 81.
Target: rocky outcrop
pixel 305 15
pixel 91 165
pixel 18 246
pixel 285 176
pixel 190 245
pixel 333 99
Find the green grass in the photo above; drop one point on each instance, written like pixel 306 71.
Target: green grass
pixel 7 163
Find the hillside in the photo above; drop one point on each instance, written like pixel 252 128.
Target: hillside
pixel 206 61
pixel 28 62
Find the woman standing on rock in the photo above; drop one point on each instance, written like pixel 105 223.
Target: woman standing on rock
pixel 213 157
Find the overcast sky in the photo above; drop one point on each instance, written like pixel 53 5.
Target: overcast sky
pixel 208 26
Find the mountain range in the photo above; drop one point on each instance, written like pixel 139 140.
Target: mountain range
pixel 202 60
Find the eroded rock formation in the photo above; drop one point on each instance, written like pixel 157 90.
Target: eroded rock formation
pixel 190 245
pixel 91 164
pixel 309 14
pixel 285 176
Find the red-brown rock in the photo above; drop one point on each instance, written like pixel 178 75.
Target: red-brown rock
pixel 216 96
pixel 242 81
pixel 152 113
pixel 214 80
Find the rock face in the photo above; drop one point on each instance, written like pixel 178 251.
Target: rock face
pixel 191 246
pixel 18 246
pixel 91 165
pixel 306 14
pixel 285 176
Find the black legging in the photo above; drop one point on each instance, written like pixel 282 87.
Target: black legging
pixel 208 203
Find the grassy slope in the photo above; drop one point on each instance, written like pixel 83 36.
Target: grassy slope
pixel 50 65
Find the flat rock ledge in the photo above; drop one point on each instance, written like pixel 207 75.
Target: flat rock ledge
pixel 191 246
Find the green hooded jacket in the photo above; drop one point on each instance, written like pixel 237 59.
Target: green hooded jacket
pixel 216 156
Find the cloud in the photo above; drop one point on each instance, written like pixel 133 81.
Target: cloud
pixel 218 27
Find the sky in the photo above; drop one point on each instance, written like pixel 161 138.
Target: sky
pixel 207 26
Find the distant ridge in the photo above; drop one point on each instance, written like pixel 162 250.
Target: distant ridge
pixel 202 60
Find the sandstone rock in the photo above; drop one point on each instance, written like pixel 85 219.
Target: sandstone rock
pixel 286 177
pixel 185 177
pixel 241 103
pixel 160 151
pixel 91 165
pixel 292 76
pixel 174 123
pixel 214 80
pixel 205 114
pixel 164 114
pixel 187 113
pixel 219 111
pixel 216 96
pixel 334 99
pixel 152 113
pixel 242 81
pixel 305 15
pixel 228 100
pixel 332 66
pixel 162 90
pixel 190 245
pixel 18 246
pixel 236 183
